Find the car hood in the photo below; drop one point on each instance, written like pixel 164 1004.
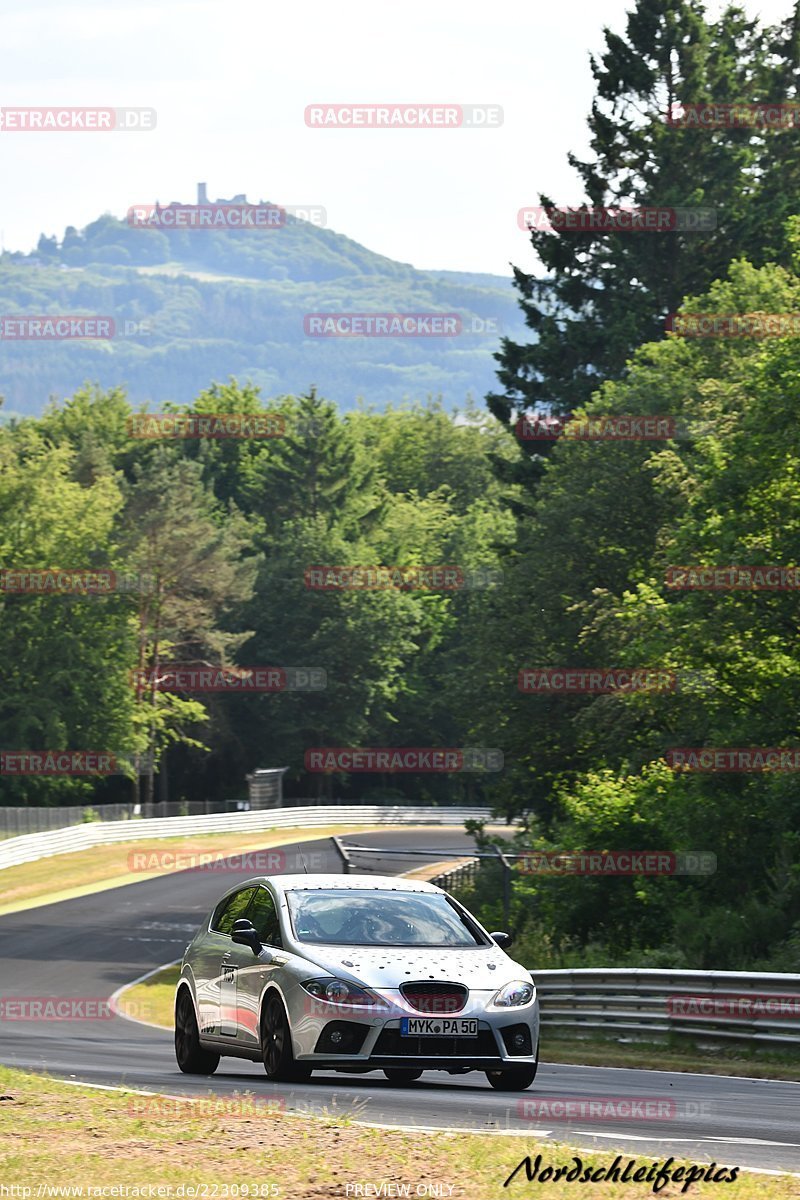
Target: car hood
pixel 485 968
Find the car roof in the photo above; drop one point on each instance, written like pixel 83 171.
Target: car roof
pixel 315 883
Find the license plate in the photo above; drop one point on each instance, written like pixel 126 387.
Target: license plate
pixel 439 1027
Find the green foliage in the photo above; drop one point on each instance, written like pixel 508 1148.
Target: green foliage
pixel 602 295
pixel 192 306
pixel 217 537
pixel 591 563
pixel 565 550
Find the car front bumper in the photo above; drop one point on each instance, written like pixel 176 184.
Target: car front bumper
pixel 506 1038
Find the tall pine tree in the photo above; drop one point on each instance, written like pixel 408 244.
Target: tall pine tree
pixel 604 294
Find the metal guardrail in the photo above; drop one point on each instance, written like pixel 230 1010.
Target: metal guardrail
pixel 463 875
pixel 655 1005
pixel 34 846
pixel 715 1006
pixel 15 821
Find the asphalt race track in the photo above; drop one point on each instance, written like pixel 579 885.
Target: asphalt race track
pixel 90 947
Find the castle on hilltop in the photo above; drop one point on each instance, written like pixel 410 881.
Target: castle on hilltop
pixel 308 214
pixel 202 197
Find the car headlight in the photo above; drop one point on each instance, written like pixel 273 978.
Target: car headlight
pixel 512 995
pixel 339 991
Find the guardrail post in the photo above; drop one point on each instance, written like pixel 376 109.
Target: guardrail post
pixel 345 857
pixel 506 865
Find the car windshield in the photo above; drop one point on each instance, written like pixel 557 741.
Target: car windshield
pixel 376 918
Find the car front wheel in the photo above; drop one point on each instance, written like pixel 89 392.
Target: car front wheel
pixel 515 1079
pixel 192 1058
pixel 276 1044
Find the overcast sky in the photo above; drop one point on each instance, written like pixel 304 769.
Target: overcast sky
pixel 231 79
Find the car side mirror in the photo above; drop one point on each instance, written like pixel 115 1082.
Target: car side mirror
pixel 503 940
pixel 244 934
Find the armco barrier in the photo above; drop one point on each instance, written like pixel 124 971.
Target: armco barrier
pixel 636 1002
pixel 14 822
pixel 33 846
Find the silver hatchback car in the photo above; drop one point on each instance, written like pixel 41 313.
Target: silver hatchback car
pixel 354 973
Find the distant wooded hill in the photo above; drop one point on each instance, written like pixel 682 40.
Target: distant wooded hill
pixel 195 306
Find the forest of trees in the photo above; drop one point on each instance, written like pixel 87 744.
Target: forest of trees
pixel 221 534
pixel 575 538
pixel 190 306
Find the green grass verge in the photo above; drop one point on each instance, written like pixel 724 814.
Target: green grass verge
pixel 153 999
pixel 84 872
pixel 62 1136
pixel 651 1056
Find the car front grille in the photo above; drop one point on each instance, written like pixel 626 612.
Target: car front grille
pixel 436 998
pixel 392 1044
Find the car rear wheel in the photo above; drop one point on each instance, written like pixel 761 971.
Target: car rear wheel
pixel 192 1058
pixel 515 1079
pixel 276 1043
pixel 401 1075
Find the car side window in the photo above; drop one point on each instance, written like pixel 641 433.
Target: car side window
pixel 264 915
pixel 230 909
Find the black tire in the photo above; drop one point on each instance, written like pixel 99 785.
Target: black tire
pixel 276 1043
pixel 514 1079
pixel 401 1075
pixel 192 1058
